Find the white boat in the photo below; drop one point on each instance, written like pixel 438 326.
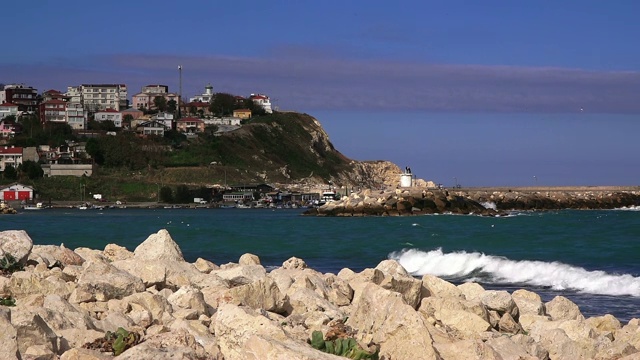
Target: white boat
pixel 37 206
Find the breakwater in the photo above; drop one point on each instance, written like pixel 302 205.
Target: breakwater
pixel 483 201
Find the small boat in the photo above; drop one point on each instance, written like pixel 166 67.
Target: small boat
pixel 37 206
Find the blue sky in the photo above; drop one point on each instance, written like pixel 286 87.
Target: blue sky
pixel 485 93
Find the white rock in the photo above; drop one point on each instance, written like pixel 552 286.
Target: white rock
pixel 158 246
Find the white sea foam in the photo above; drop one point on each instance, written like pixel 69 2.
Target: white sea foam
pixel 555 275
pixel 629 208
pixel 489 205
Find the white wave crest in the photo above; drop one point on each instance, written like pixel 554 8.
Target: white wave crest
pixel 489 205
pixel 629 208
pixel 555 275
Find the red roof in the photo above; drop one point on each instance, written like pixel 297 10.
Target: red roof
pixel 52 91
pixel 8 104
pixel 55 101
pixel 10 150
pixel 242 110
pixel 259 97
pixel 198 104
pixel 109 110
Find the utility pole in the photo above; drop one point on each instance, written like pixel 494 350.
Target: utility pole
pixel 179 93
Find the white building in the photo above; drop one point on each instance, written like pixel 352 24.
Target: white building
pixel 10 155
pixel 76 116
pixel 96 97
pixel 165 118
pixel 8 109
pixel 263 101
pixel 223 121
pixel 206 97
pixel 111 115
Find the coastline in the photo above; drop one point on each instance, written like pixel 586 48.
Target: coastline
pixel 68 301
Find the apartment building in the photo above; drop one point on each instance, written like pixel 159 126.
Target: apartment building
pixel 96 97
pixel 24 96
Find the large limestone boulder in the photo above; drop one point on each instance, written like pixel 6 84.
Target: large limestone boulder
pixel 509 349
pixel 8 335
pixel 78 353
pixel 244 334
pixel 561 308
pixel 465 324
pixel 25 283
pixel 470 349
pixel 241 274
pixel 471 290
pixel 116 252
pixel 383 317
pixel 528 302
pixel 32 330
pixel 188 297
pixel 52 255
pixel 101 281
pixel 16 243
pixel 434 286
pixel 340 293
pixel 175 345
pixel 501 302
pixel 249 259
pixel 262 294
pixel 158 246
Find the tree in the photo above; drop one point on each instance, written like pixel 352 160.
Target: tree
pixel 31 169
pixel 10 172
pixel 160 102
pixel 222 104
pixel 172 106
pixel 166 194
pixel 126 121
pixel 183 195
pixel 92 147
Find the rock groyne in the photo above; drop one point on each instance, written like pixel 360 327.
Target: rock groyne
pixel 420 201
pixel 152 304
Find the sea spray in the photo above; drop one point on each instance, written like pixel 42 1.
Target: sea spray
pixel 500 270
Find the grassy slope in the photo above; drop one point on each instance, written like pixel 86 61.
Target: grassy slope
pixel 260 151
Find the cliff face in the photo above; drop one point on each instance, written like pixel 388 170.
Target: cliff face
pixel 293 148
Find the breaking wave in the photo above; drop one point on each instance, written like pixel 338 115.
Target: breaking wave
pixel 499 270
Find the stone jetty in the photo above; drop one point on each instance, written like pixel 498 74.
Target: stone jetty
pixel 68 304
pixel 487 202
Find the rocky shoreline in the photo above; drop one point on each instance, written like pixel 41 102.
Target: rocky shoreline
pixel 487 202
pixel 150 303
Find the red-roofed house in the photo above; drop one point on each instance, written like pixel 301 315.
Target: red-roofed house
pixel 262 101
pixel 190 125
pixel 8 109
pixel 54 111
pixel 10 155
pixel 110 114
pixel 54 95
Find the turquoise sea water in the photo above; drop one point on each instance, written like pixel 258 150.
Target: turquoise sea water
pixel 591 257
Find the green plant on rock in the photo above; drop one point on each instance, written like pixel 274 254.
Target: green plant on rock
pixel 347 347
pixel 121 340
pixel 9 264
pixel 8 301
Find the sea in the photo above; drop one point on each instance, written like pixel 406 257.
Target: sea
pixel 588 256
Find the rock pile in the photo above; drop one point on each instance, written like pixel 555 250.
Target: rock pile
pixel 420 201
pixel 66 300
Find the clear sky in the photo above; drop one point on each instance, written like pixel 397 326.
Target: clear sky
pixel 475 92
